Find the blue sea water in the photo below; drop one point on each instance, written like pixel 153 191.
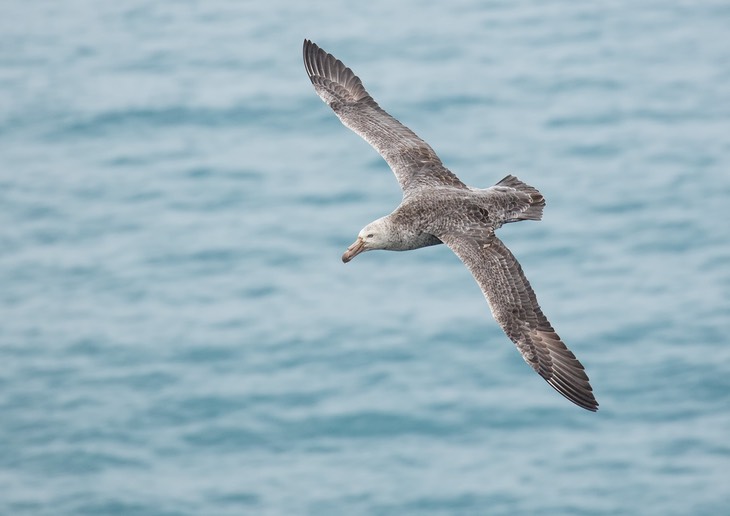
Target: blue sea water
pixel 179 335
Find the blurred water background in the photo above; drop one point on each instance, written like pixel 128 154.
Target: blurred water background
pixel 180 337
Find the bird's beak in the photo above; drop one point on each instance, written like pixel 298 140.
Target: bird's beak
pixel 355 249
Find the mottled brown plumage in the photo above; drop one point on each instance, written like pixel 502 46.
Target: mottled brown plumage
pixel 438 208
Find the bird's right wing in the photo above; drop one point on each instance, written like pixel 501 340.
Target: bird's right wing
pixel 413 161
pixel 515 307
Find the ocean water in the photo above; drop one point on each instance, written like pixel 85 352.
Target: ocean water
pixel 179 335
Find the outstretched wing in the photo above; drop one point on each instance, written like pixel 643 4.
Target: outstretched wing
pixel 413 161
pixel 515 308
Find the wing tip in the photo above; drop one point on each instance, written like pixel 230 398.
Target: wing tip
pixel 309 51
pixel 307 45
pixel 317 60
pixel 581 396
pixel 325 69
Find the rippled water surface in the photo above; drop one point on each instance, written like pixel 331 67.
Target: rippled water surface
pixel 180 337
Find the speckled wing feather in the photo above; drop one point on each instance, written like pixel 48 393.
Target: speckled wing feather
pixel 516 309
pixel 413 161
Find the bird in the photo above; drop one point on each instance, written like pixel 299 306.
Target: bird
pixel 438 208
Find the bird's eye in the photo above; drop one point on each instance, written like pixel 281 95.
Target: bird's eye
pixel 369 236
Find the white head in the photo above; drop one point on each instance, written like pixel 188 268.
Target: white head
pixel 375 235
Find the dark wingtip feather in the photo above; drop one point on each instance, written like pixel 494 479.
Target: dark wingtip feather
pixel 327 71
pixel 583 398
pixel 580 393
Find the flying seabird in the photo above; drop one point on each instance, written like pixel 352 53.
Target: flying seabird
pixel 438 208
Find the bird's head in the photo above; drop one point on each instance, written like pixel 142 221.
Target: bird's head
pixel 372 236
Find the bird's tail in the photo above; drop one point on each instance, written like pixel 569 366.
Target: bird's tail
pixel 534 201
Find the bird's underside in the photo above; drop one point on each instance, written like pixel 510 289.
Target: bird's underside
pixel 422 175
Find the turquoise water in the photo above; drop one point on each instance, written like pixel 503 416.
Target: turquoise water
pixel 179 335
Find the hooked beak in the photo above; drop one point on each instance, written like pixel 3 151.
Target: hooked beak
pixel 355 249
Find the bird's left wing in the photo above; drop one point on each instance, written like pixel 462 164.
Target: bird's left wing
pixel 515 307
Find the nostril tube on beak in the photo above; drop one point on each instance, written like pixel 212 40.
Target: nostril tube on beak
pixel 356 248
